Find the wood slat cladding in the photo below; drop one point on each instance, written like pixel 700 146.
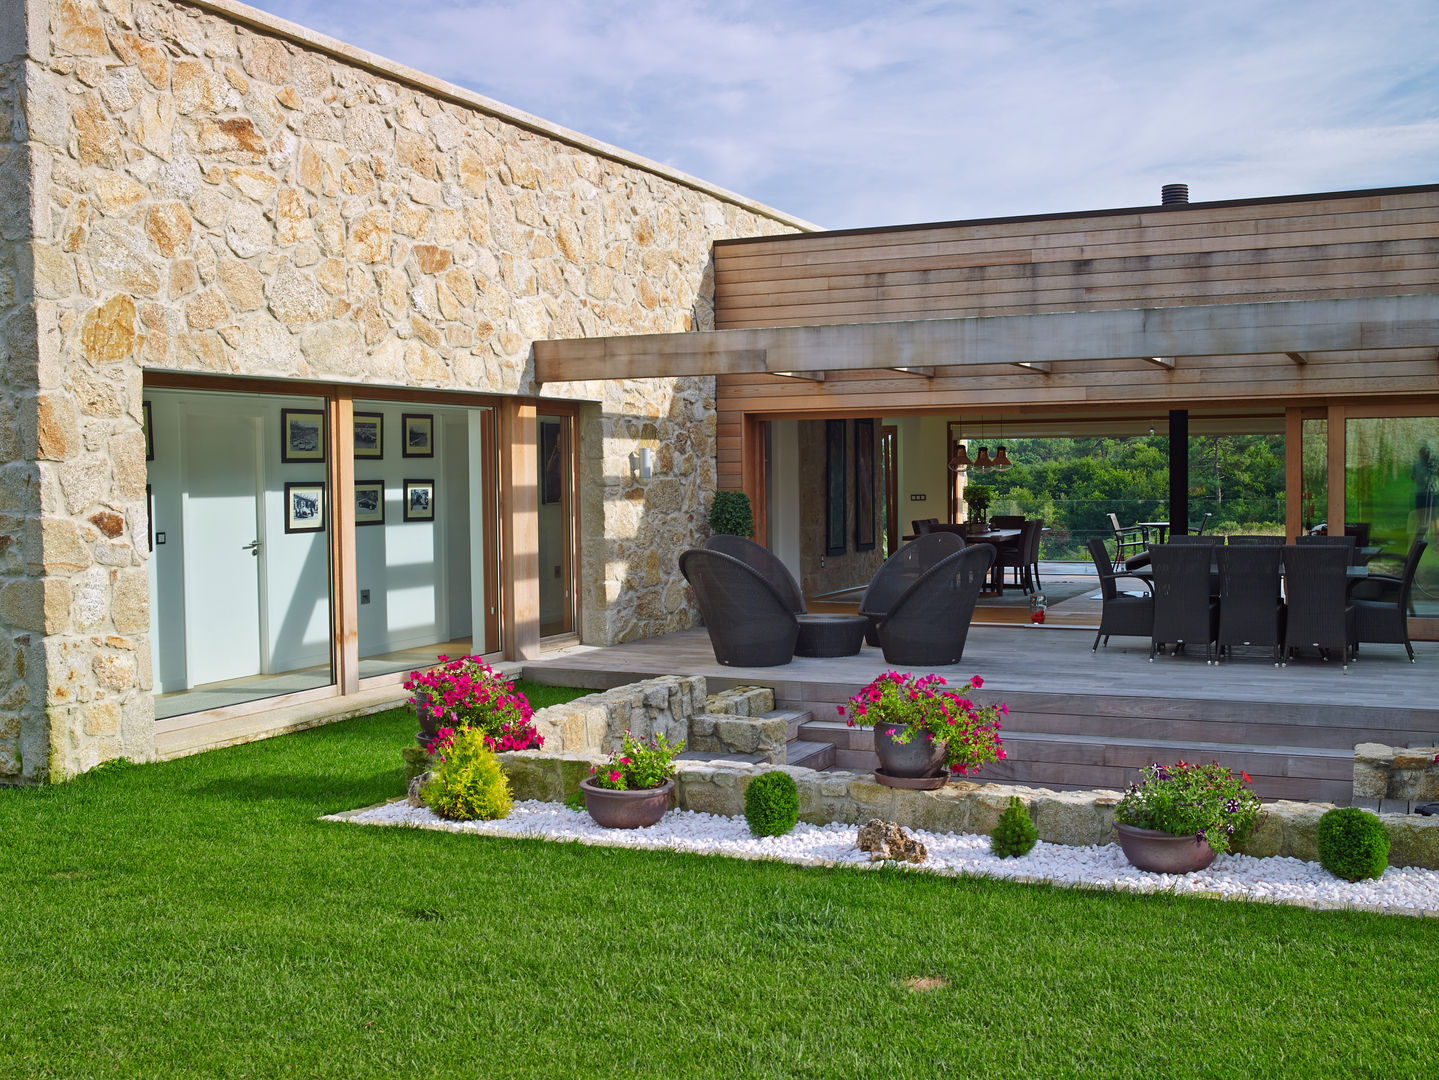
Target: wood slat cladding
pixel 1362 243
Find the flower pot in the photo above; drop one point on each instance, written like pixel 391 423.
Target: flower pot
pixel 918 757
pixel 1162 852
pixel 626 809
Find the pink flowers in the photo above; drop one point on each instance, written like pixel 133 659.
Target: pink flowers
pixel 469 694
pixel 905 705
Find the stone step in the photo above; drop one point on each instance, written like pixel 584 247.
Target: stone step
pixel 793 719
pixel 722 756
pixel 810 755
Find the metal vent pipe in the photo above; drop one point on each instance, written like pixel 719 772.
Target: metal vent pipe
pixel 1173 194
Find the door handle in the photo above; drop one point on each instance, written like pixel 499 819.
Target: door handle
pixel 253 547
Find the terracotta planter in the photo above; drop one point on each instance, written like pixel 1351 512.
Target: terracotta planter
pixel 1161 852
pixel 918 757
pixel 626 809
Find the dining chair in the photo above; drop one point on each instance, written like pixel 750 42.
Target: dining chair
pixel 1251 611
pixel 1349 543
pixel 1382 603
pixel 1185 612
pixel 1261 541
pixel 1122 613
pixel 1316 586
pixel 1128 540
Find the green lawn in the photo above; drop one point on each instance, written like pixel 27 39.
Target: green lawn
pixel 194 919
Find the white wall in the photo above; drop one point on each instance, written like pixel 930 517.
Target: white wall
pixel 923 468
pixel 784 501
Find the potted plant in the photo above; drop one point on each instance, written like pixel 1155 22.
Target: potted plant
pixel 922 732
pixel 1178 817
pixel 978 498
pixel 731 514
pixel 468 693
pixel 632 789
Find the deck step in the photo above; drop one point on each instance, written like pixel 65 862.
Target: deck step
pixel 793 719
pixel 810 755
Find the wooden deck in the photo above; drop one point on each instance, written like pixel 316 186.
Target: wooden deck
pixel 1083 719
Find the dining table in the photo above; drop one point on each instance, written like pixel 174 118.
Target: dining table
pixel 994 537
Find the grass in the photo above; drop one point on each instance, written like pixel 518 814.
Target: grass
pixel 194 918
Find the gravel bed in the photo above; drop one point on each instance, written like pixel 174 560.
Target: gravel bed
pixel 1407 890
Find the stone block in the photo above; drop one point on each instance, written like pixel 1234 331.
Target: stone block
pixel 1300 822
pixel 1413 840
pixel 1069 817
pixel 1267 840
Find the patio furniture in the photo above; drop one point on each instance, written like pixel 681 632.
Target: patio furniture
pixel 1382 603
pixel 761 559
pixel 929 622
pixel 1316 586
pixel 1195 540
pixel 1127 540
pixel 1198 530
pixel 1022 555
pixel 1348 543
pixel 899 572
pixel 1359 530
pixel 830 635
pixel 750 624
pixel 1251 541
pixel 921 525
pixel 1251 611
pixel 1159 529
pixel 1122 613
pixel 1007 521
pixel 1185 612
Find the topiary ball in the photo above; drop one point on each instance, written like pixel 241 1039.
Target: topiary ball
pixel 1015 833
pixel 1352 844
pixel 771 804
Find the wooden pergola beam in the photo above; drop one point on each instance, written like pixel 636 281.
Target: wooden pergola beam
pixel 1302 326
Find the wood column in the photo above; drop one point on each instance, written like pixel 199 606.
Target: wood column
pixel 1334 509
pixel 1178 472
pixel 519 530
pixel 753 453
pixel 344 598
pixel 1293 473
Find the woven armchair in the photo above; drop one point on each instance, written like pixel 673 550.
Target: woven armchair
pixel 929 622
pixel 1382 603
pixel 1261 541
pixel 1185 613
pixel 1250 609
pixel 750 624
pixel 1316 587
pixel 761 559
pixel 1128 540
pixel 1122 613
pixel 899 572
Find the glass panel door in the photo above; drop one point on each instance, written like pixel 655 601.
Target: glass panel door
pixel 1391 491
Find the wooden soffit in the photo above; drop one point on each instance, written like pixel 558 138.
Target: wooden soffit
pixel 1295 327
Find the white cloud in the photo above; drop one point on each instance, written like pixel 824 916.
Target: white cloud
pixel 853 113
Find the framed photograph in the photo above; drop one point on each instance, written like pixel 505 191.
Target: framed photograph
pixel 302 435
pixel 834 476
pixel 419 500
pixel 369 502
pixel 419 434
pixel 864 485
pixel 550 472
pixel 305 506
pixel 149 425
pixel 369 435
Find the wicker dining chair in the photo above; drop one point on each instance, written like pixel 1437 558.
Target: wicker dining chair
pixel 1260 541
pixel 750 624
pixel 766 562
pixel 1316 585
pixel 1121 613
pixel 1185 612
pixel 1382 603
pixel 899 572
pixel 1349 543
pixel 1251 611
pixel 1022 555
pixel 929 622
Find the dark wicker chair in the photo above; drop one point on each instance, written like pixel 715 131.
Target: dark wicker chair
pixel 1316 588
pixel 921 525
pixel 1022 556
pixel 1382 604
pixel 1251 611
pixel 1349 543
pixel 1198 530
pixel 1360 531
pixel 929 622
pixel 1007 521
pixel 750 624
pixel 899 572
pixel 1127 540
pixel 766 562
pixel 1122 613
pixel 1252 541
pixel 1195 540
pixel 1185 612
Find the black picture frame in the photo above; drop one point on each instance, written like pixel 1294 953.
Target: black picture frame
pixel 551 486
pixel 417 434
pixel 834 488
pixel 147 423
pixel 369 502
pixel 305 506
pixel 302 436
pixel 864 485
pixel 369 435
pixel 419 500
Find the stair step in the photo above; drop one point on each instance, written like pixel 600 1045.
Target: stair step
pixel 793 720
pixel 810 755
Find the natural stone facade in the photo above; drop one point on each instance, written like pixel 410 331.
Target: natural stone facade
pixel 1407 774
pixel 195 186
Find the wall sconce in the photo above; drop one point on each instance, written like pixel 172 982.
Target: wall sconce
pixel 642 463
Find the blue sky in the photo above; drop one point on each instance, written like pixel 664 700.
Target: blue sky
pixel 853 114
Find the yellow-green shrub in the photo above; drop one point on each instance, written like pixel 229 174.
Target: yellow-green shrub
pixel 467 782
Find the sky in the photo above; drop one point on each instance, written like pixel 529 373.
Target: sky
pixel 851 114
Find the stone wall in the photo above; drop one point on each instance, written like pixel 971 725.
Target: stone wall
pixel 821 573
pixel 1403 774
pixel 216 191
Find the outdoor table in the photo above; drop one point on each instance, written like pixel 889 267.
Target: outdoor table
pixel 993 537
pixel 1162 527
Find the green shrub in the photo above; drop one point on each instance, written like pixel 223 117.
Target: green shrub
pixel 1352 844
pixel 467 782
pixel 730 514
pixel 771 804
pixel 1015 834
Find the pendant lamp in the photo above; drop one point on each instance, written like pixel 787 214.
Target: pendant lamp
pixel 960 461
pixel 1001 458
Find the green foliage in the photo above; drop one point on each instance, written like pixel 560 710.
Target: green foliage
pixel 730 514
pixel 1352 844
pixel 978 497
pixel 638 766
pixel 576 802
pixel 1198 800
pixel 771 804
pixel 1015 833
pixel 467 783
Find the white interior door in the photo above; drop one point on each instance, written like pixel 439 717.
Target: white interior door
pixel 221 515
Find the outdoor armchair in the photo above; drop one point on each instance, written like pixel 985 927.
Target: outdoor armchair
pixel 1263 541
pixel 1007 521
pixel 929 622
pixel 1316 587
pixel 1022 555
pixel 1128 540
pixel 1250 609
pixel 1198 530
pixel 761 559
pixel 750 624
pixel 900 571
pixel 1185 612
pixel 1122 613
pixel 1382 603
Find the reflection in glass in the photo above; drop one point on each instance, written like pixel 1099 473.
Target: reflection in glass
pixel 1392 486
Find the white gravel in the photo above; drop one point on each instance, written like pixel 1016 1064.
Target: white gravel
pixel 1408 890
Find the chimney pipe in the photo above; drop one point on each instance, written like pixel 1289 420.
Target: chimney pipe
pixel 1174 194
